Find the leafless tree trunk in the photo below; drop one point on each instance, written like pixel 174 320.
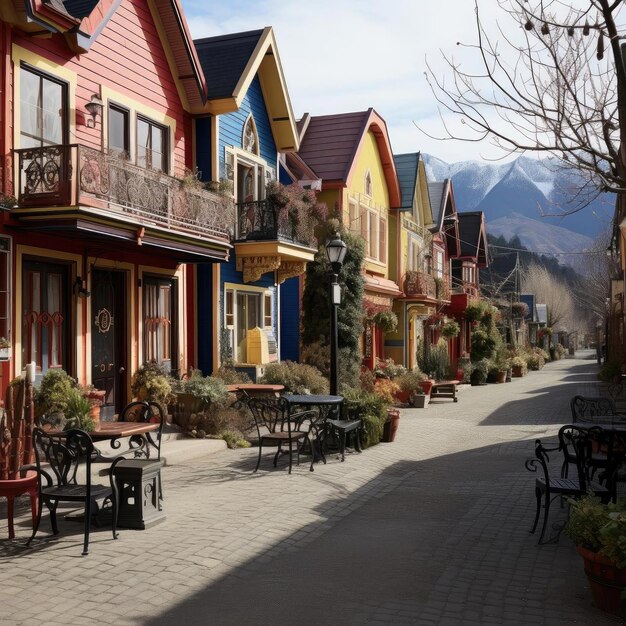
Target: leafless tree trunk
pixel 556 295
pixel 550 80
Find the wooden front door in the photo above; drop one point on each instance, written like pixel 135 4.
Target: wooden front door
pixel 108 338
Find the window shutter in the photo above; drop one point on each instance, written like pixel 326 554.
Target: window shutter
pixel 382 238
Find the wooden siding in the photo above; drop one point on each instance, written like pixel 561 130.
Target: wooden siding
pixel 290 320
pixel 127 57
pixel 231 125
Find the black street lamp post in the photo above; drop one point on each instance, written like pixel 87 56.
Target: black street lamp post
pixel 335 252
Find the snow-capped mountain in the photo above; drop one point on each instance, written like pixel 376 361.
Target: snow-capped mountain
pixel 540 237
pixel 535 189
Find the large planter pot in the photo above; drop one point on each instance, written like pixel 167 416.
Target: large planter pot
pixel 96 398
pixel 391 426
pixel 517 371
pixel 607 581
pixel 501 377
pixel 427 386
pixel 403 396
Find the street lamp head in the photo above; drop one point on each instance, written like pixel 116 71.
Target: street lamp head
pixel 336 252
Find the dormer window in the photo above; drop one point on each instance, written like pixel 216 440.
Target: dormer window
pixel 368 184
pixel 250 137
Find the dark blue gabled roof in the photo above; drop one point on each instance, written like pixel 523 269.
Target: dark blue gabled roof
pixel 406 167
pixel 223 60
pixel 80 8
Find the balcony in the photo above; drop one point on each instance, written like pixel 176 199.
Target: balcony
pixel 466 288
pixel 261 221
pixel 420 285
pixel 107 185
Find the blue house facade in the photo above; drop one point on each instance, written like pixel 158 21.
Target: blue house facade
pixel 239 305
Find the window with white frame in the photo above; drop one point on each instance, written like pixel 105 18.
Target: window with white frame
pixel 469 273
pixel 374 231
pixel 353 213
pixel 243 311
pixel 250 138
pixel 248 174
pixel 438 263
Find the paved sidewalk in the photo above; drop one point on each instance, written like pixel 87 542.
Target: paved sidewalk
pixel 431 529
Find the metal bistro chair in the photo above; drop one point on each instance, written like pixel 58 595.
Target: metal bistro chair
pixel 548 486
pixel 345 425
pixel 62 453
pixel 275 426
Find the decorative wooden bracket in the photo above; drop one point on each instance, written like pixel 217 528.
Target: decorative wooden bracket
pixel 289 269
pixel 253 267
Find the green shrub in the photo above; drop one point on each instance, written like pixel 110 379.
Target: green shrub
pixel 436 362
pixel 234 439
pixel 230 376
pixel 388 369
pixel 465 365
pixel 296 377
pixel 483 345
pixel 450 329
pixel 410 381
pixel 480 371
pixel 599 527
pixel 475 310
pixel 317 354
pixel 369 408
pixel 77 411
pixel 208 389
pixel 53 392
pixel 150 382
pixel 535 361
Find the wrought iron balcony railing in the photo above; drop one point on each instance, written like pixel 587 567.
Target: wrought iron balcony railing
pixel 419 284
pixel 261 221
pixel 470 289
pixel 71 175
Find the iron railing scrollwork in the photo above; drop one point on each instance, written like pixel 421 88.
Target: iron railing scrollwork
pixel 418 283
pixel 260 220
pixel 47 178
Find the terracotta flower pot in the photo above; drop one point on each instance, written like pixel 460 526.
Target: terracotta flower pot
pixel 501 377
pixel 607 581
pixel 517 371
pixel 427 386
pixel 391 426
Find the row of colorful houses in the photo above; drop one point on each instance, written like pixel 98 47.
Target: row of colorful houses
pixel 135 222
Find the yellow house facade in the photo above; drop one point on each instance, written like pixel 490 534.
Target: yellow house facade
pixel 352 155
pixel 411 240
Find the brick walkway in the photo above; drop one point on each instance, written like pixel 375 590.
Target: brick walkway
pixel 432 529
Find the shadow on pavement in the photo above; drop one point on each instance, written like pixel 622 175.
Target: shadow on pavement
pixel 424 540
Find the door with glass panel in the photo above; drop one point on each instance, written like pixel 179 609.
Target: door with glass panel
pixel 108 338
pixel 45 321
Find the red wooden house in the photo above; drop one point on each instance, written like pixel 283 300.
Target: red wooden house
pixel 96 249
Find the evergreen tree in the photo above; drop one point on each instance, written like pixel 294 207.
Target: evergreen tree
pixel 316 302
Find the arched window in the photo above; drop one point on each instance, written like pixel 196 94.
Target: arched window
pixel 250 136
pixel 368 184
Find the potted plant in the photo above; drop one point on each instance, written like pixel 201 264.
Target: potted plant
pixel 419 399
pixel 599 532
pixel 519 309
pixel 150 382
pixel 474 311
pixel 450 329
pixel 518 366
pixel 410 383
pixel 387 321
pixel 51 397
pixel 77 411
pixel 480 371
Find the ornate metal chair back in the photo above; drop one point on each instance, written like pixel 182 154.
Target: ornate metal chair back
pixel 584 409
pixel 63 453
pixel 575 444
pixel 142 412
pixel 271 414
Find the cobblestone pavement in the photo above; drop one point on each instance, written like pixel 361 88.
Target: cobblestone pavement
pixel 430 529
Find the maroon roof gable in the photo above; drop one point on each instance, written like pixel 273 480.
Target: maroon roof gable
pixel 330 143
